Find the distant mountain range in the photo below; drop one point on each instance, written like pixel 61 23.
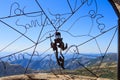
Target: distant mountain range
pixel 71 63
pixel 108 59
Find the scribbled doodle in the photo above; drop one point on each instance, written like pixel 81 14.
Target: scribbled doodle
pixel 15 9
pixel 53 40
pixel 101 26
pixel 33 24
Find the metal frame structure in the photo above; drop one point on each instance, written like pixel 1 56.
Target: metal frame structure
pixel 58 44
pixel 118 15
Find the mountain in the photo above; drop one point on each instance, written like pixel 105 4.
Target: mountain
pixel 105 69
pixel 75 63
pixel 107 59
pixel 35 64
pixel 7 69
pixel 45 65
pixel 70 63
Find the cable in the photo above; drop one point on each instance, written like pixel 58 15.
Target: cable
pixel 16 30
pixel 108 48
pixel 60 20
pixel 69 6
pixel 35 47
pixel 97 36
pixel 20 15
pixel 72 14
pixel 45 14
pixel 11 42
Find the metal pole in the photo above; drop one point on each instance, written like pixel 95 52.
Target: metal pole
pixel 119 49
pixel 118 14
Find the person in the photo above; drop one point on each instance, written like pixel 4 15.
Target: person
pixel 58 43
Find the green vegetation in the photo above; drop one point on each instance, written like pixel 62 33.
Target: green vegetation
pixel 105 69
pixel 108 71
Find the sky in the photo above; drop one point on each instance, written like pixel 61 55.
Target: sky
pixel 86 21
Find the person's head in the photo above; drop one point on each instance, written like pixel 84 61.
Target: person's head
pixel 57 35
